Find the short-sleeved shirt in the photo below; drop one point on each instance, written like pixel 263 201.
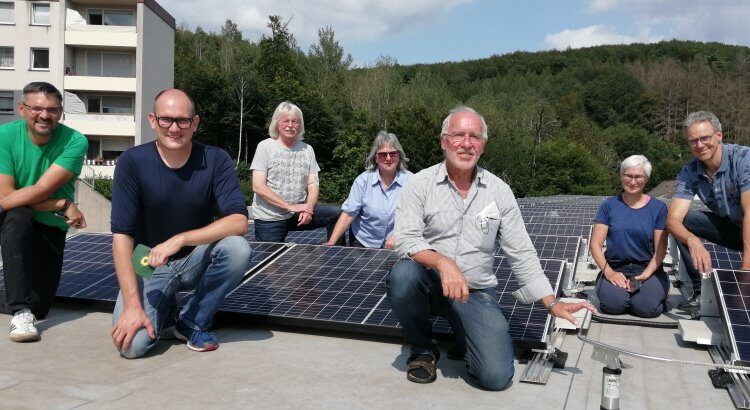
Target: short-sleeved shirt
pixel 27 162
pixel 152 202
pixel 722 194
pixel 630 233
pixel 287 170
pixel 373 207
pixel 432 215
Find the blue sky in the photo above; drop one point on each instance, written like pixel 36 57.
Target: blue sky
pixel 427 31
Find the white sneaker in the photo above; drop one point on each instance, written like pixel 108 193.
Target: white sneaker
pixel 22 327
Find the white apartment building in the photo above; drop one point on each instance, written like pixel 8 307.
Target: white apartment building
pixel 109 58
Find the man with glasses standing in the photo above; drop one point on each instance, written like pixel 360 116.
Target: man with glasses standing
pixel 447 220
pixel 720 175
pixel 39 162
pixel 181 199
pixel 285 181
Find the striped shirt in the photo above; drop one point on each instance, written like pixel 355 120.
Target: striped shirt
pixel 432 215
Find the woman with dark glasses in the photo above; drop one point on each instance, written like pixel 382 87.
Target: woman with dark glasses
pixel 369 209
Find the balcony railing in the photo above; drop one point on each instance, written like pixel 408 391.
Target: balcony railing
pixel 120 73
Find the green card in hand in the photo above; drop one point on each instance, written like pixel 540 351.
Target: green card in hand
pixel 140 261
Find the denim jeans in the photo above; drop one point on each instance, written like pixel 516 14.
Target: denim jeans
pixel 481 330
pixel 32 261
pixel 647 301
pixel 713 228
pixel 276 231
pixel 212 271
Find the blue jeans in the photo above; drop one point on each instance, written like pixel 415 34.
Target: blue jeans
pixel 276 231
pixel 212 271
pixel 713 228
pixel 647 301
pixel 481 330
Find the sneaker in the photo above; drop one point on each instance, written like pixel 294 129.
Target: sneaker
pixel 693 303
pixel 198 341
pixel 22 327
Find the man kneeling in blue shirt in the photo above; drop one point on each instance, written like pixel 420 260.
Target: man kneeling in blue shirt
pixel 720 175
pixel 166 196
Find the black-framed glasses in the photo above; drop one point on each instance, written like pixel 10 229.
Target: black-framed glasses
pixel 166 122
pixel 36 110
pixel 693 142
pixel 384 155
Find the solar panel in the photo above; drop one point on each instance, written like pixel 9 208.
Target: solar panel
pixel 527 322
pixel 723 258
pixel 733 293
pixel 88 271
pixel 561 220
pixel 320 285
pixel 582 231
pixel 552 247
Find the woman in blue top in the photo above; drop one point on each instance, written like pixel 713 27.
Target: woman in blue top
pixel 634 224
pixel 370 207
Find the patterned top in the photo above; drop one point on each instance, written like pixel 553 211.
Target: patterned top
pixel 431 214
pixel 287 170
pixel 722 195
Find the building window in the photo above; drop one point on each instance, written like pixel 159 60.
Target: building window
pixel 7 11
pixel 6 57
pixel 40 14
pixel 103 17
pixel 109 104
pixel 40 59
pixel 100 64
pixel 6 102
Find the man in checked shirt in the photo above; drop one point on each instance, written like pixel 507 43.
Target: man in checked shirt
pixel 446 223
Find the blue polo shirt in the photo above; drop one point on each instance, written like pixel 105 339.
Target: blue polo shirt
pixel 722 195
pixel 372 207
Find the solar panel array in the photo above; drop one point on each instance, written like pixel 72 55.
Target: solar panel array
pixel 88 271
pixel 552 247
pixel 733 291
pixel 337 287
pixel 322 284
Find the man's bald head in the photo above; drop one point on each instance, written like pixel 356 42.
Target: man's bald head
pixel 173 93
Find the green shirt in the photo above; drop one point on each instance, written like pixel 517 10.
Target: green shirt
pixel 26 162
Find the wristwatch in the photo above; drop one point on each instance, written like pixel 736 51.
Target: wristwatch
pixel 551 305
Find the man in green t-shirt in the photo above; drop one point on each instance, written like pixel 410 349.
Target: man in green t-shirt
pixel 39 162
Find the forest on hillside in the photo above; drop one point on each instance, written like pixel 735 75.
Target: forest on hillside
pixel 559 121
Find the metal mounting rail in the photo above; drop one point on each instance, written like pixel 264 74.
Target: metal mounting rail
pixel 608 354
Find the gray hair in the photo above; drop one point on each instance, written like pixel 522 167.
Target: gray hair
pixel 286 107
pixel 382 139
pixel 701 116
pixel 460 109
pixel 636 161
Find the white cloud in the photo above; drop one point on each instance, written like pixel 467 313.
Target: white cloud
pixel 717 20
pixel 593 36
pixel 350 19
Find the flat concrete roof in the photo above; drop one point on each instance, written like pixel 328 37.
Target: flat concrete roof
pixel 76 366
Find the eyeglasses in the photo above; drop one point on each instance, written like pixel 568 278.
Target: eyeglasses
pixel 384 155
pixel 36 110
pixel 166 122
pixel 636 178
pixel 289 122
pixel 458 137
pixel 703 140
